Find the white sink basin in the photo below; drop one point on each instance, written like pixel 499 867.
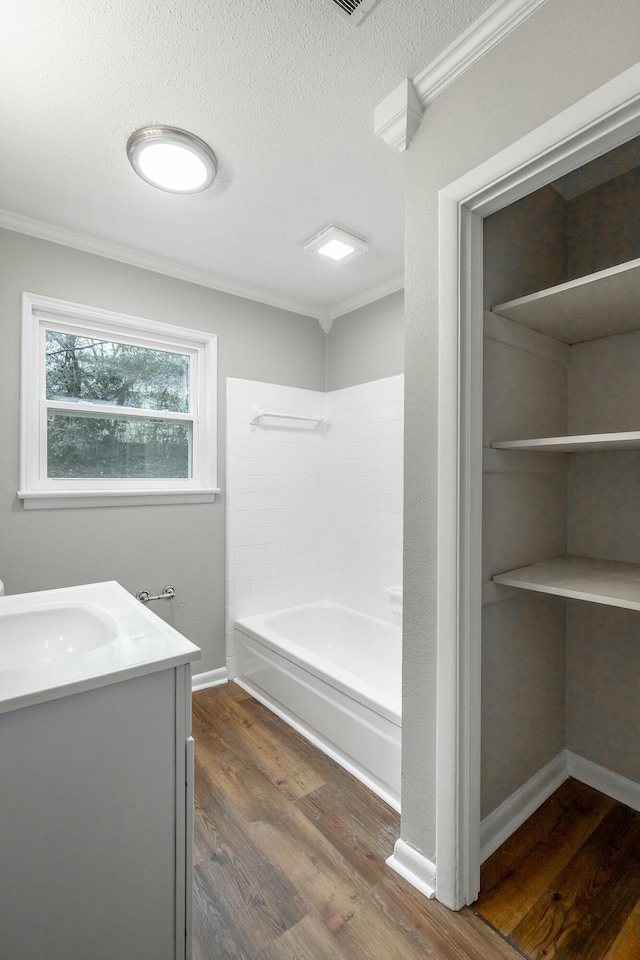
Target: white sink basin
pixel 54 643
pixel 52 632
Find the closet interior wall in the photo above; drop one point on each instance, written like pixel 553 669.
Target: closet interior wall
pixel 557 673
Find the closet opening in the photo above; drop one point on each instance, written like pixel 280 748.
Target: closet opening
pixel 560 623
pixel 477 811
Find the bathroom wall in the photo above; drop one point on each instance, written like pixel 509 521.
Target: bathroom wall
pixel 549 62
pixel 315 510
pixel 274 516
pixel 362 494
pixel 524 244
pixel 600 232
pixel 603 686
pixel 367 344
pixel 603 643
pixel 524 502
pixel 147 546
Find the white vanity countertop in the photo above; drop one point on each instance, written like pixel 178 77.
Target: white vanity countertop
pixel 57 642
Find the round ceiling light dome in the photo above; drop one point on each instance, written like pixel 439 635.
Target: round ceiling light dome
pixel 172 159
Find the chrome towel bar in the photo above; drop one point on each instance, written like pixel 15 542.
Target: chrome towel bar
pixel 257 414
pixel 167 593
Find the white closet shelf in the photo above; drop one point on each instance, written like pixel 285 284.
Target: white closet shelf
pixel 598 305
pixel 629 440
pixel 582 578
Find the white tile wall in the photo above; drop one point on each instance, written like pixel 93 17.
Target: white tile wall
pixel 313 512
pixel 362 496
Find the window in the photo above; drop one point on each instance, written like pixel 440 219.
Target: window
pixel 115 409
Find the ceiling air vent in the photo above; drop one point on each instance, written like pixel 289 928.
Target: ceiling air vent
pixel 353 10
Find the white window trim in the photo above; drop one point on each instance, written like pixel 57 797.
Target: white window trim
pixel 37 491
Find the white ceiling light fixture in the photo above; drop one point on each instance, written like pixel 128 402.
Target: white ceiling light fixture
pixel 172 159
pixel 336 244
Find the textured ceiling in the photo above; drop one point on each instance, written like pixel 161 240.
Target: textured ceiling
pixel 283 91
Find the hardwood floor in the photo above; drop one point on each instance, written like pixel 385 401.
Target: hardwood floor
pixel 290 850
pixel 566 885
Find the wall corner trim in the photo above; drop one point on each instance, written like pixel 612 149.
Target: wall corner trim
pixel 512 813
pixel 325 320
pixel 180 271
pixel 414 867
pixel 398 117
pixel 211 678
pixel 606 781
pixel 146 261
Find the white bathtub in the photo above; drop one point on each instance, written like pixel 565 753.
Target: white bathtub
pixel 335 675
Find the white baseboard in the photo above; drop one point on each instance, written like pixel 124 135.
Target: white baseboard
pixel 200 681
pixel 615 786
pixel 416 869
pixel 517 808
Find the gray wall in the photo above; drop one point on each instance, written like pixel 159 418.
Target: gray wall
pixel 561 53
pixel 603 686
pixel 147 546
pixel 367 344
pixel 600 232
pixel 524 508
pixel 524 245
pixel 603 643
pixel 604 382
pixel 523 692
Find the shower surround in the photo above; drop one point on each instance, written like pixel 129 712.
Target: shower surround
pixel 314 512
pixel 314 533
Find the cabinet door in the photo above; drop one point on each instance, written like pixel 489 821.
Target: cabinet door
pixel 87 833
pixel 189 814
pixel 184 808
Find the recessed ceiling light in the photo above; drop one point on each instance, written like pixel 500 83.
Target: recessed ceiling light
pixel 172 159
pixel 336 249
pixel 336 244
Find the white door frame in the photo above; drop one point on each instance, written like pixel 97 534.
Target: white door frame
pixel 601 121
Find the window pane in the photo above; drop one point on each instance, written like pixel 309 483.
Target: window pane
pixel 94 447
pixel 102 371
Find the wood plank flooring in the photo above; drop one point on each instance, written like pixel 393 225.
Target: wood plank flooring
pixel 290 850
pixel 566 885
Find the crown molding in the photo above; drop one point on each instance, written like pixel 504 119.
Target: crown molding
pixel 369 296
pixel 398 116
pixel 487 31
pixel 136 258
pixel 326 320
pixel 179 271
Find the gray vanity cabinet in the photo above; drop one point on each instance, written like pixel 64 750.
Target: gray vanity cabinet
pixel 96 800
